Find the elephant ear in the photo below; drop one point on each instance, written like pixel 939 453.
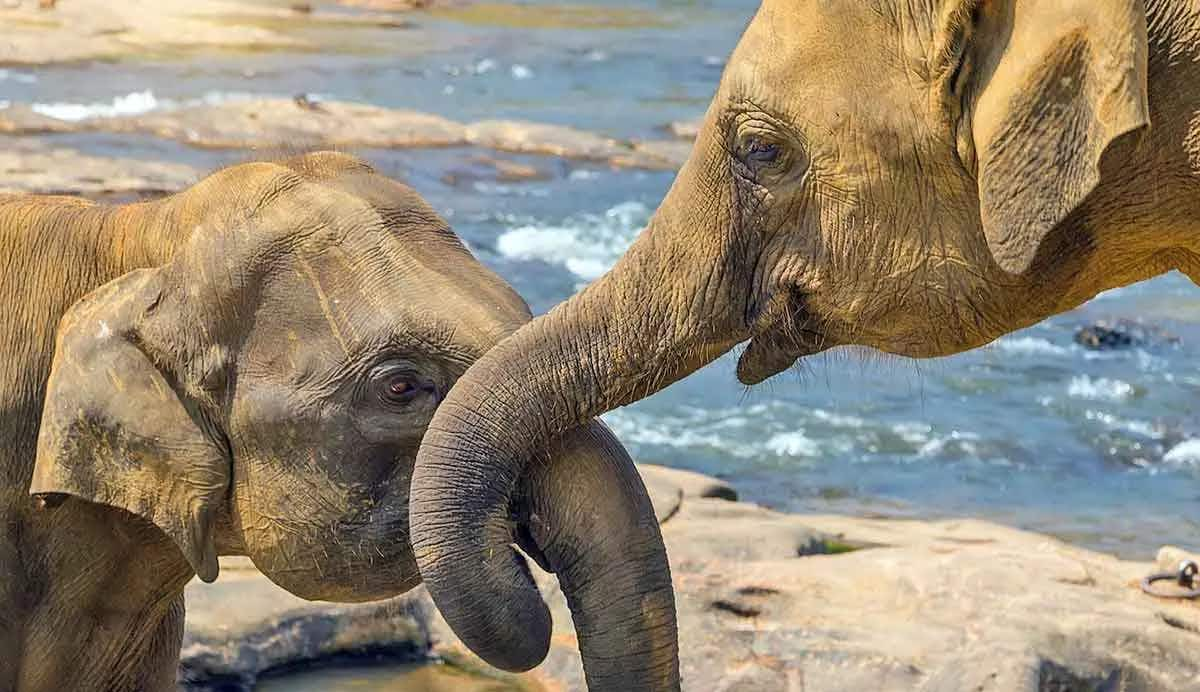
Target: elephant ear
pixel 1056 83
pixel 118 427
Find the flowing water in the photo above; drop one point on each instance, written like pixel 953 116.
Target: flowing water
pixel 1102 448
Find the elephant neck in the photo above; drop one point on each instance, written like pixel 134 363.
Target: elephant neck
pixel 143 235
pixel 109 607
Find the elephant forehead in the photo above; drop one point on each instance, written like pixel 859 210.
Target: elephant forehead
pixel 827 53
pixel 313 327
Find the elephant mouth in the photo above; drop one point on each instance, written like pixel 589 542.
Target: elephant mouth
pixel 781 337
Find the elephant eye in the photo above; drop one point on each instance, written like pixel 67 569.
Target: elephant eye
pixel 399 385
pixel 760 151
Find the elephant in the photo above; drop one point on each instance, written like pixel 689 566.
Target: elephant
pixel 918 178
pixel 247 368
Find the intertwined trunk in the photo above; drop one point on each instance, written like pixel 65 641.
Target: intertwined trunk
pixel 665 310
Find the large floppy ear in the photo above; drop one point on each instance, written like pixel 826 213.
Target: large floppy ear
pixel 119 426
pixel 1049 86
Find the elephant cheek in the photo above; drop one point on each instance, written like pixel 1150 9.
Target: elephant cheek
pixel 359 551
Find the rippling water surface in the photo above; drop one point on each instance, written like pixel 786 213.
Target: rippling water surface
pixel 1100 448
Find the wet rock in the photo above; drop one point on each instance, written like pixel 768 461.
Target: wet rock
pixel 20 119
pixel 304 122
pixel 937 606
pixel 1101 338
pixel 243 625
pixel 660 154
pixel 684 129
pixel 1122 334
pixel 490 168
pixel 295 123
pixel 540 138
pixel 525 137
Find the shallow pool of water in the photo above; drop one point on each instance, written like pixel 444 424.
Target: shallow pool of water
pixel 386 678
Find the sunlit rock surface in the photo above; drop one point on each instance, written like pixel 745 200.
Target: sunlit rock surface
pixel 769 601
pixel 78 30
pixel 33 166
pixel 299 122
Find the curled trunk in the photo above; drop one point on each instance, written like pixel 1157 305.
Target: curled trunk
pixel 662 312
pixel 588 519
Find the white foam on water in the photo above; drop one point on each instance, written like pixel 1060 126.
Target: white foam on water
pixel 793 444
pixel 1137 427
pixel 838 420
pixel 1099 389
pixel 673 432
pixel 521 72
pixel 137 103
pixel 1143 360
pixel 964 442
pixel 1186 453
pixel 1030 346
pixel 586 245
pixel 913 433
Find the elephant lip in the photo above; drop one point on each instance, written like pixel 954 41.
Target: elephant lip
pixel 766 356
pixel 784 335
pixel 758 362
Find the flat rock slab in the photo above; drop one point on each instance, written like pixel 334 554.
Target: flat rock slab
pixel 266 124
pixel 769 601
pixel 30 166
pixel 244 625
pixel 77 30
pixel 290 122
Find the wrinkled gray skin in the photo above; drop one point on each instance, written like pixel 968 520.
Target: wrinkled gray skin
pixel 920 177
pixel 250 372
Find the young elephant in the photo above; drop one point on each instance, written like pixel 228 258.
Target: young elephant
pixel 251 373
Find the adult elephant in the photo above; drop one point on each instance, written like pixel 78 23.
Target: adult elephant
pixel 918 177
pixel 251 372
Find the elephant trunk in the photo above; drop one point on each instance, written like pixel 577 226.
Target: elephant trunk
pixel 664 310
pixel 589 520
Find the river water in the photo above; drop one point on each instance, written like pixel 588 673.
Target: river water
pixel 1101 448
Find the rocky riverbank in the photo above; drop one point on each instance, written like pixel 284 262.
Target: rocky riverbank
pixel 298 122
pixel 31 161
pixel 38 32
pixel 769 601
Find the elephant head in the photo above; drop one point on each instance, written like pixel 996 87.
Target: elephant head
pixel 917 177
pixel 264 393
